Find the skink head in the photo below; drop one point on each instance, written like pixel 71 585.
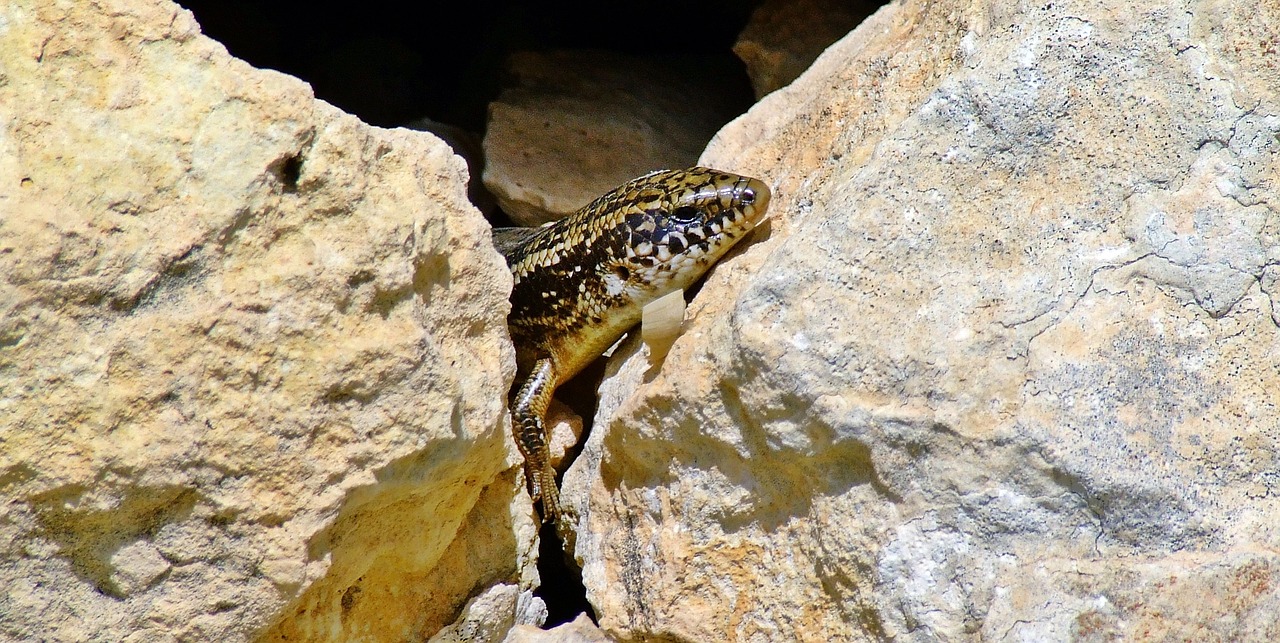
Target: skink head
pixel 677 223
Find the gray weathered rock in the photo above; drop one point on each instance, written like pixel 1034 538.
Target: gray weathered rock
pixel 1005 364
pixel 252 351
pixel 493 615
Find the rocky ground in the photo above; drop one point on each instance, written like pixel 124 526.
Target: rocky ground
pixel 1001 365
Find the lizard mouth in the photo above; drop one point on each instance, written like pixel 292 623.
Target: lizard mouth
pixel 745 203
pixel 685 250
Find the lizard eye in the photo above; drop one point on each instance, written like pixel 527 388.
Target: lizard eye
pixel 686 214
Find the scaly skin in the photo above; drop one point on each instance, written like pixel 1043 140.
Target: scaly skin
pixel 583 281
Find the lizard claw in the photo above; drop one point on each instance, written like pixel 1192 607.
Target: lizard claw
pixel 567 528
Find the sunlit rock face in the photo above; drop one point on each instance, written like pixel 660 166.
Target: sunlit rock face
pixel 1003 364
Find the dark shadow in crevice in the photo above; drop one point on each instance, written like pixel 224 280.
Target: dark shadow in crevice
pixel 288 171
pixel 562 589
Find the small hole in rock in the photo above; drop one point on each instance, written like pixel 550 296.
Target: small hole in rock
pixel 290 172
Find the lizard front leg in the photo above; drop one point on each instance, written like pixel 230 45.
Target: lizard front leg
pixel 528 411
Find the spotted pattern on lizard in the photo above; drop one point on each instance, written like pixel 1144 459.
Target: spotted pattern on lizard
pixel 582 282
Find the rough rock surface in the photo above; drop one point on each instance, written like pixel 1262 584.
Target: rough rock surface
pixel 233 324
pixel 1004 365
pixel 580 630
pixel 579 124
pixel 467 145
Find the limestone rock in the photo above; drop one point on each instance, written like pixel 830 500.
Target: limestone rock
pixel 784 37
pixel 580 630
pixel 582 123
pixel 467 145
pixel 252 351
pixel 493 615
pixel 1004 365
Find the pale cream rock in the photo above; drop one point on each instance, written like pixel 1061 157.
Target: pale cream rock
pixel 579 124
pixel 136 567
pixel 564 428
pixel 253 352
pixel 492 615
pixel 467 145
pixel 1004 364
pixel 580 630
pixel 660 324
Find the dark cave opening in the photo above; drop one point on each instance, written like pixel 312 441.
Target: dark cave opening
pixel 392 61
pixel 562 589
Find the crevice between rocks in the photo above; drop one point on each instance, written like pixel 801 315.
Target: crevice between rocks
pixel 562 589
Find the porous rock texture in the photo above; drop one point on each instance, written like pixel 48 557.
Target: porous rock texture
pixel 1004 364
pixel 580 630
pixel 252 352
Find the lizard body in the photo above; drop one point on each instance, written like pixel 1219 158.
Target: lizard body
pixel 581 282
